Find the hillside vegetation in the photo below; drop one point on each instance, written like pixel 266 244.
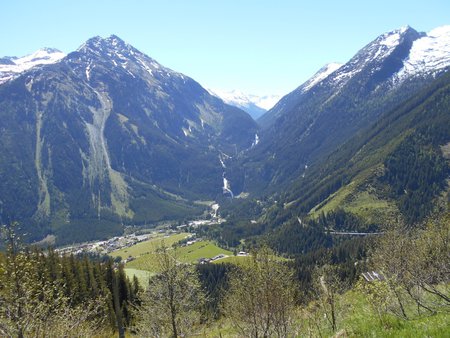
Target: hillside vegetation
pixel 260 294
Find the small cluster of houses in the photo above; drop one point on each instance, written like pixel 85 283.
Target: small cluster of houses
pixel 220 256
pixel 105 247
pixel 192 240
pixel 209 260
pixel 200 222
pixel 214 219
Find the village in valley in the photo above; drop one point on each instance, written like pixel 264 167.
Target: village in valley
pixel 184 233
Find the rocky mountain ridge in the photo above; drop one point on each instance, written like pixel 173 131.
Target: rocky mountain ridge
pixel 323 113
pixel 109 136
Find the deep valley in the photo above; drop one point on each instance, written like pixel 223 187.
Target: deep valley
pixel 133 201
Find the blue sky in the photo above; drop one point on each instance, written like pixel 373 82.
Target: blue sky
pixel 259 47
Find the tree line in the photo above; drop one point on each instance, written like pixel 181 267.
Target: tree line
pixel 43 294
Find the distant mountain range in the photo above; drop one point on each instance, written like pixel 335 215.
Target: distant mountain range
pixel 255 105
pixel 107 137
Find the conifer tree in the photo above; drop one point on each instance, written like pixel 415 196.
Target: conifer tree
pixel 45 295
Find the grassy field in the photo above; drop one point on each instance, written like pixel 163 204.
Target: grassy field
pixel 149 246
pixel 242 259
pixel 145 264
pixel 202 249
pixel 141 275
pixel 187 254
pixel 145 256
pixel 232 259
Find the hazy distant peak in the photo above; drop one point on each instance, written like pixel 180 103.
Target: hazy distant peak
pixel 255 105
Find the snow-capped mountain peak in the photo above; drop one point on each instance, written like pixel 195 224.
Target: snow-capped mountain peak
pixel 387 61
pixel 392 39
pixel 97 44
pixel 429 54
pixel 375 53
pixel 13 66
pixel 114 53
pixel 255 105
pixel 111 47
pixel 419 54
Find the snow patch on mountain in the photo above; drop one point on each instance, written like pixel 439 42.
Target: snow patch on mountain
pixel 322 74
pixel 372 54
pixel 121 54
pixel 377 50
pixel 392 39
pixel 429 54
pixel 15 66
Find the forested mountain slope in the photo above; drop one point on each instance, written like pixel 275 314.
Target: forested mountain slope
pixel 397 167
pixel 339 101
pixel 108 136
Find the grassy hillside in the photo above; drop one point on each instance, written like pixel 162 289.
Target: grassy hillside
pixel 202 249
pixel 360 199
pixel 360 319
pixel 356 318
